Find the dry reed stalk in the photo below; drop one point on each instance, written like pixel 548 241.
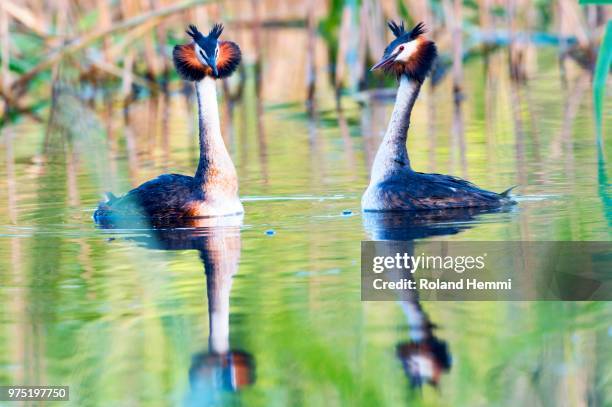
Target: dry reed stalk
pixel 261 133
pixel 26 17
pixel 151 56
pixel 363 47
pixel 520 52
pixel 375 29
pixel 62 18
pixel 118 49
pixel 119 72
pixel 454 15
pixel 311 69
pixel 343 45
pixel 105 21
pixel 530 47
pixel 5 48
pixel 82 41
pixel 418 10
pixel 573 18
pixel 457 48
pixel 484 14
pixel 161 33
pixel 390 9
pixel 129 9
pixel 257 46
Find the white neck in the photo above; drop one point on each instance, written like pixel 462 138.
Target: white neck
pixel 221 264
pixel 417 320
pixel 215 168
pixel 392 155
pixel 220 255
pixel 219 328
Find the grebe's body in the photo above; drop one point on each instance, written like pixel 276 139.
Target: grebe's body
pixel 213 191
pixel 394 185
pixel 409 190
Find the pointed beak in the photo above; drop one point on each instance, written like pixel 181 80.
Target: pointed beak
pixel 213 65
pixel 385 61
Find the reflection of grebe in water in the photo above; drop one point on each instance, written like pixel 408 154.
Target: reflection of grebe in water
pixel 213 190
pixel 394 185
pixel 220 367
pixel 424 357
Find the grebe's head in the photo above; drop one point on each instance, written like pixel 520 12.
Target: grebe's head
pixel 206 55
pixel 410 53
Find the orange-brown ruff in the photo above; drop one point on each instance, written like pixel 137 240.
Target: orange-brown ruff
pixel 409 54
pixel 426 50
pixel 394 185
pixel 190 68
pixel 213 190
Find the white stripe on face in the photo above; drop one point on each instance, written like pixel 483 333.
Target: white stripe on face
pixel 407 49
pixel 201 54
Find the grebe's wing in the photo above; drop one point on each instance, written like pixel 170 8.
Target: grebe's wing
pixel 165 195
pixel 417 190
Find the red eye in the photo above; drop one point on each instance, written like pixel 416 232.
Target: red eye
pixel 401 48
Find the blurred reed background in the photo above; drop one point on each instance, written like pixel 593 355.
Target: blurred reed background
pixel 97 75
pixel 296 49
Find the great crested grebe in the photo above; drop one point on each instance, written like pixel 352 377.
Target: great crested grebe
pixel 213 191
pixel 394 185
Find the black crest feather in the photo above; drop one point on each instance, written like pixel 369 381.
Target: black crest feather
pixel 216 31
pixel 418 29
pixel 397 30
pixel 194 33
